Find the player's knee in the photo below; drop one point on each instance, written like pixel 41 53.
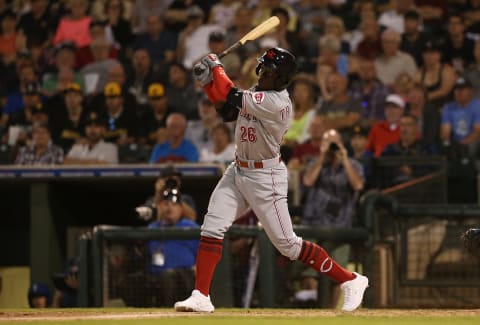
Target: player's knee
pixel 289 248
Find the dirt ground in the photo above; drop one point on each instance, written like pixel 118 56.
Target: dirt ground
pixel 112 314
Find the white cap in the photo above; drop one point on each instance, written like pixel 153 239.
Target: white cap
pixel 396 100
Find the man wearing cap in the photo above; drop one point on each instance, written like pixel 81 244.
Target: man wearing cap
pixel 68 122
pixel 34 111
pixel 94 151
pixel 154 117
pixel 461 118
pixel 386 132
pixel 122 120
pixel 41 150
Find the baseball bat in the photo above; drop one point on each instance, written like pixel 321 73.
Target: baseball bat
pixel 252 35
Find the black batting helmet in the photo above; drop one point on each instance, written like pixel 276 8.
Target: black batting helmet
pixel 282 62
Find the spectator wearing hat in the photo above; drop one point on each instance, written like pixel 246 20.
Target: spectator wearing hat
pixel 217 43
pixel 461 117
pixel 94 151
pixel 458 49
pixel 154 116
pixel 386 132
pixel 358 143
pixel 74 27
pixel 66 285
pixel 198 131
pixel 413 39
pixel 95 73
pixel 392 62
pixel 394 18
pixel 438 78
pixel 193 40
pixel 41 150
pixel 39 296
pixel 370 91
pixel 68 120
pixel 176 148
pixel 160 43
pixel 8 36
pixel 181 93
pixel 121 120
pixel 33 112
pixel 38 24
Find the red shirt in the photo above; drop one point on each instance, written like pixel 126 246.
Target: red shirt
pixel 382 135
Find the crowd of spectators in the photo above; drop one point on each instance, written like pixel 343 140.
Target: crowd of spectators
pixel 109 81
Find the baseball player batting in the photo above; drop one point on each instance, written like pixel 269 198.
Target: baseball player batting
pixel 258 177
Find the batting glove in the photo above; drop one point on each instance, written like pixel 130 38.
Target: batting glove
pixel 211 60
pixel 202 73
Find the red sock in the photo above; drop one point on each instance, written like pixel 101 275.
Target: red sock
pixel 208 255
pixel 317 258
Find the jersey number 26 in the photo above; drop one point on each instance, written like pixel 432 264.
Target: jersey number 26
pixel 248 134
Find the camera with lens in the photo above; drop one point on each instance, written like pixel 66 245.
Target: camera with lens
pixel 171 183
pixel 333 147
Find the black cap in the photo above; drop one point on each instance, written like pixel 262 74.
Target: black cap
pixel 216 36
pixel 431 46
pixel 95 119
pixel 462 82
pixel 65 45
pixel 411 14
pixel 359 130
pixel 170 171
pixel 31 88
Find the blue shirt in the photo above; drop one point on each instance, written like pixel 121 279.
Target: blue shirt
pixel 164 152
pixel 461 119
pixel 174 253
pixel 156 48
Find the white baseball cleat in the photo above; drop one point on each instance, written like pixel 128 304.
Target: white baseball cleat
pixel 196 302
pixel 353 291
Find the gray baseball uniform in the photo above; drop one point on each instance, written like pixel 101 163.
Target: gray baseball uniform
pixel 258 179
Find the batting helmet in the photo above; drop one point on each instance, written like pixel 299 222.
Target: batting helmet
pixel 282 62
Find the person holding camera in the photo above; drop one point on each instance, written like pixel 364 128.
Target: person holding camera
pixel 333 182
pixel 170 179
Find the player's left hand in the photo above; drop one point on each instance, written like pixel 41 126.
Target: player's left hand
pixel 211 60
pixel 202 73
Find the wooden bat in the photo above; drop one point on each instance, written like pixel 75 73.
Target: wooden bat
pixel 252 35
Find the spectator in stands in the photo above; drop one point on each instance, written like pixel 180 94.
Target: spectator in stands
pixel 160 43
pixel 170 179
pixel 68 120
pixel 304 99
pixel 461 118
pixel 304 153
pixel 370 92
pixel 393 62
pixel 198 131
pixel 458 49
pixel 223 149
pixel 41 150
pixel 330 58
pixel 287 39
pixel 394 18
pixel 38 24
pixel 154 117
pixel 473 71
pixel 10 77
pixel 342 112
pixel 358 143
pixel 122 120
pixel 95 73
pixel 386 132
pixel 33 110
pixel 217 44
pixel 171 270
pixel 141 76
pixel 193 40
pixel 94 151
pixel 142 9
pixel 181 91
pixel 427 115
pixel 39 296
pixel 334 181
pixel 8 37
pixel 438 78
pixel 75 26
pixel 413 39
pixel 176 148
pixel 122 31
pixel 408 146
pixel 264 11
pixel 242 24
pixel 370 46
pixel 223 13
pixel 432 13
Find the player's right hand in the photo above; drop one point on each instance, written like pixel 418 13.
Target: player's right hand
pixel 211 60
pixel 202 73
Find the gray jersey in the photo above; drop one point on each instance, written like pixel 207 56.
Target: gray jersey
pixel 263 120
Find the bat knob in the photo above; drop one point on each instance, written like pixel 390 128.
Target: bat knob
pixel 198 70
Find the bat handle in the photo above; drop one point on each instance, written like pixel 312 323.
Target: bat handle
pixel 230 49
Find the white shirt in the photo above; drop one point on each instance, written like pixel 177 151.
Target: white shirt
pixel 196 44
pixel 226 156
pixel 102 151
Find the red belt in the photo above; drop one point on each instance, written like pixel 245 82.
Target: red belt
pixel 256 164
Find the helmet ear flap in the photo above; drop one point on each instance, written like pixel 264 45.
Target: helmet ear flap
pixel 257 69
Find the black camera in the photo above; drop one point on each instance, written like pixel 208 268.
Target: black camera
pixel 333 147
pixel 171 183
